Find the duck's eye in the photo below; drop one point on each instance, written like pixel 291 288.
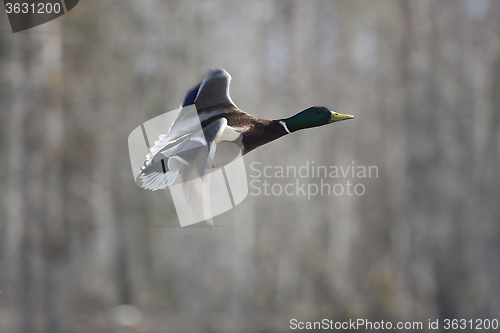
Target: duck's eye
pixel 317 111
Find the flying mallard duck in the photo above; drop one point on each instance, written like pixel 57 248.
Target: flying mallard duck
pixel 216 132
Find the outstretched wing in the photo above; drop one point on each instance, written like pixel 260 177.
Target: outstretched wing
pixel 214 90
pixel 169 156
pixel 187 150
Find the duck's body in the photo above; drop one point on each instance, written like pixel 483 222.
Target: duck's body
pixel 253 132
pixel 216 132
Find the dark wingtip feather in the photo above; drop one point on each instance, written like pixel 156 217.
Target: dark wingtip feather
pixel 191 96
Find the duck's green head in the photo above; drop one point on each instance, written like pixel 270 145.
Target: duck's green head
pixel 313 117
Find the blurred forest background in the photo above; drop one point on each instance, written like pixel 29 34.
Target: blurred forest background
pixel 79 240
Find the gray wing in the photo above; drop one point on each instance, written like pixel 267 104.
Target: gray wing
pixel 214 89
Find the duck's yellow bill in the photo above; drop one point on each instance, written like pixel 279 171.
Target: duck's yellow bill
pixel 338 117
